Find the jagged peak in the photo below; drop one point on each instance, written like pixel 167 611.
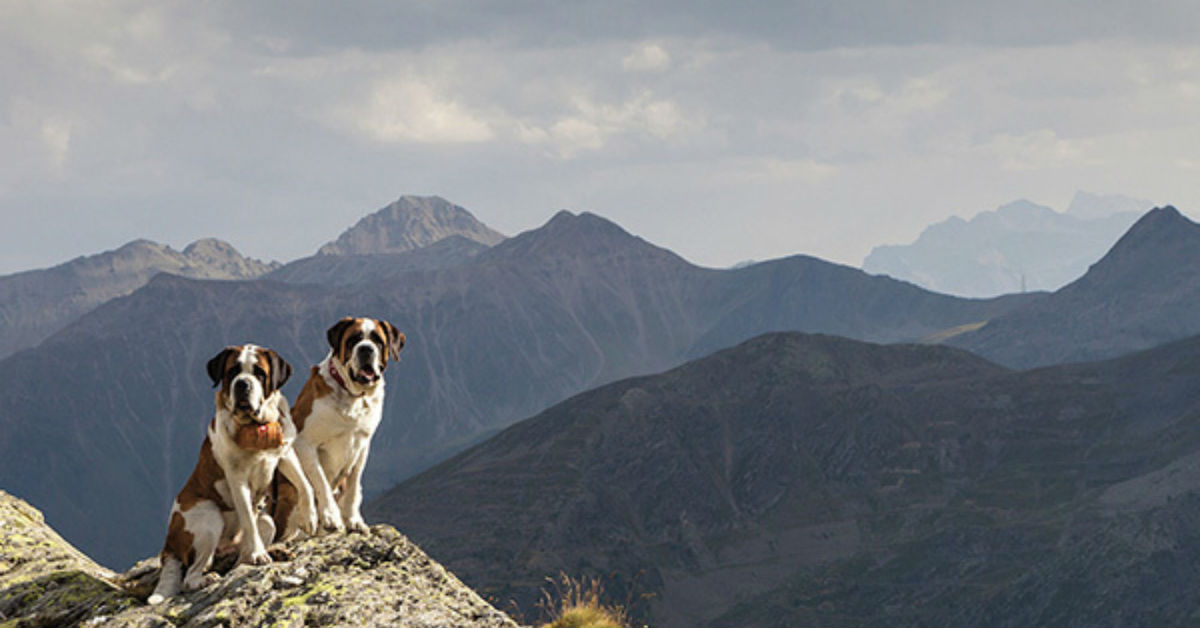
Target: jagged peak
pixel 408 223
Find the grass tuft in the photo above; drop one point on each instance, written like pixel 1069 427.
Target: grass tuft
pixel 579 604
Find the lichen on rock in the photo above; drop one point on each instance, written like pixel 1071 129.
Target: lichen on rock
pixel 380 579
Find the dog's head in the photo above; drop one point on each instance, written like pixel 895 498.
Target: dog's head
pixel 363 345
pixel 248 375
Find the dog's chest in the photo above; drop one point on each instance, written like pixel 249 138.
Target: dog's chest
pixel 341 427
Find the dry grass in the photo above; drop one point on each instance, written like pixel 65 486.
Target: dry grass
pixel 578 604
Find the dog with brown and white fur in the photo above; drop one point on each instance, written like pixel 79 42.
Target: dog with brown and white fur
pixel 336 414
pixel 249 437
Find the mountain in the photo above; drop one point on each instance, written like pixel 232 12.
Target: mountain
pixel 380 579
pixel 533 320
pixel 1020 246
pixel 1144 292
pixel 450 251
pixel 37 303
pixel 812 480
pixel 412 222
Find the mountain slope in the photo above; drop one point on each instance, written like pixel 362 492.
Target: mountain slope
pixel 810 480
pixel 37 303
pixel 527 323
pixel 448 252
pixel 410 223
pixel 1019 246
pixel 1144 292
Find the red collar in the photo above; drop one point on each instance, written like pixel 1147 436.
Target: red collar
pixel 333 372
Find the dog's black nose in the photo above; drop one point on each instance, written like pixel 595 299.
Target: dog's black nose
pixel 240 388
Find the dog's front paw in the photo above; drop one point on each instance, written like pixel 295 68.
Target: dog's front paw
pixel 356 524
pixel 308 522
pixel 200 581
pixel 255 557
pixel 331 521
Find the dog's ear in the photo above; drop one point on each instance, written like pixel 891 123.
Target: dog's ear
pixel 280 370
pixel 395 339
pixel 216 366
pixel 334 335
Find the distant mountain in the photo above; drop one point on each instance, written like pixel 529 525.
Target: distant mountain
pixel 574 304
pixel 37 303
pixel 1020 246
pixel 810 480
pixel 1144 292
pixel 412 222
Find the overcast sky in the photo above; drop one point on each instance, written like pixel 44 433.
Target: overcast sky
pixel 722 130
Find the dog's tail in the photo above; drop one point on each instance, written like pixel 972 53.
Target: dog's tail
pixel 169 579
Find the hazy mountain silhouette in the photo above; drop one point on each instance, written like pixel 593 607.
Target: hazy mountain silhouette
pixel 1019 246
pixel 574 304
pixel 37 303
pixel 813 480
pixel 1144 292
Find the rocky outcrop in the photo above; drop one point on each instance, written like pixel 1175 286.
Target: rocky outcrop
pixel 381 579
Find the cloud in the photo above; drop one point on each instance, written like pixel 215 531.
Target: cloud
pixel 592 125
pixel 647 58
pixel 56 136
pixel 406 110
pixel 1039 150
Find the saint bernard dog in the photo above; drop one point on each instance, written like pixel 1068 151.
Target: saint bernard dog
pixel 336 414
pixel 249 437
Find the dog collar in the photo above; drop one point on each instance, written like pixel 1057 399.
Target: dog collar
pixel 337 377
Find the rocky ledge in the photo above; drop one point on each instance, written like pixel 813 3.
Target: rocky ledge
pixel 381 579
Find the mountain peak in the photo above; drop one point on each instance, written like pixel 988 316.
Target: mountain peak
pixel 580 236
pixel 411 222
pixel 1154 234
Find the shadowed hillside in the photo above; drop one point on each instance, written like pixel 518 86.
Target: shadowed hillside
pixel 811 480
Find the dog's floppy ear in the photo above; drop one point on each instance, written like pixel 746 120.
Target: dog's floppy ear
pixel 216 366
pixel 395 339
pixel 334 335
pixel 280 370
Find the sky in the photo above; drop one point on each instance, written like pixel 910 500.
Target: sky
pixel 725 131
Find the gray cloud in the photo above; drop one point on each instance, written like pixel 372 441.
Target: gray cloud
pixel 723 131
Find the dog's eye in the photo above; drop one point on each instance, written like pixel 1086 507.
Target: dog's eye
pixel 260 373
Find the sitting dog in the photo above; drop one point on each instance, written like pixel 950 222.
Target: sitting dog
pixel 249 437
pixel 337 411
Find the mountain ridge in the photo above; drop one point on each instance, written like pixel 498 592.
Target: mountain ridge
pixel 36 303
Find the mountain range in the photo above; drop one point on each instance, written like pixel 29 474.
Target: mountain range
pixel 812 480
pixel 35 304
pixel 1018 247
pixel 576 303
